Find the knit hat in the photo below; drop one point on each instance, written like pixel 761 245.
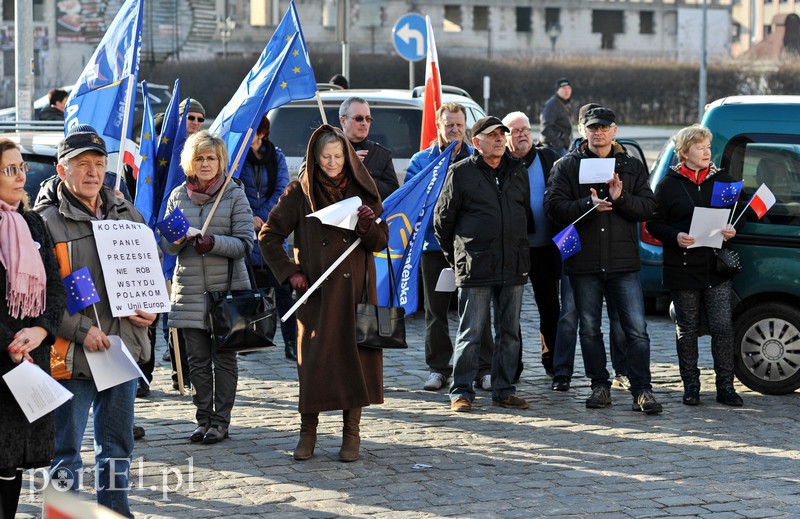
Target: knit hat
pixel 562 82
pixel 194 106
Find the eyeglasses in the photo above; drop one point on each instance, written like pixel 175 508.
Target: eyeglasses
pixel 210 159
pixel 14 170
pixel 598 128
pixel 361 118
pixel 198 119
pixel 521 131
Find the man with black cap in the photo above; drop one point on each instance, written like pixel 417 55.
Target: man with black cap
pixel 555 123
pixel 82 199
pixel 480 222
pixel 606 217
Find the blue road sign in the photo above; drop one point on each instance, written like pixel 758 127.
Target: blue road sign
pixel 410 37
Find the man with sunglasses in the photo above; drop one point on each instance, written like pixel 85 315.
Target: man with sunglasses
pixel 196 116
pixel 356 120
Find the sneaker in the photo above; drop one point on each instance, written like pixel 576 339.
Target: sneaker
pixel 512 402
pixel 600 398
pixel 691 395
pixel 560 383
pixel 728 396
pixel 646 403
pixel 435 382
pixel 485 383
pixel 621 382
pixel 461 405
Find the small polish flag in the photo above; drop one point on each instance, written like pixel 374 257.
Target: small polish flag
pixel 762 200
pixel 131 156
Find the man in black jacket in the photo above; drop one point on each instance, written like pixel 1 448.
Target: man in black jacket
pixel 555 122
pixel 545 269
pixel 606 217
pixel 480 222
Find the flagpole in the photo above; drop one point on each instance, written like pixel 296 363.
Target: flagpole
pixel 740 214
pixel 321 109
pixel 733 211
pixel 587 212
pixel 97 317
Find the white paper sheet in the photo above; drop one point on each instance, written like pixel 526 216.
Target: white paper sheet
pixel 596 171
pixel 113 366
pixel 707 225
pixel 192 232
pixel 342 214
pixel 446 281
pixel 34 390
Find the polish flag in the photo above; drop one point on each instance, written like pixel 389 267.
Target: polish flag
pixel 131 157
pixel 762 200
pixel 433 92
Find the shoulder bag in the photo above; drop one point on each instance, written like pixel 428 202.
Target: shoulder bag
pixel 381 327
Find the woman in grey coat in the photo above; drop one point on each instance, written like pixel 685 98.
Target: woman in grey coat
pixel 203 263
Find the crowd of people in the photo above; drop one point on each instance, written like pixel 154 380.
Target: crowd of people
pixel 504 198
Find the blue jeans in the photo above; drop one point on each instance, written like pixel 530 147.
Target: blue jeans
pixel 624 292
pixel 473 318
pixel 567 335
pixel 113 438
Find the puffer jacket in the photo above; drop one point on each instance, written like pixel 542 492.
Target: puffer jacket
pixel 68 221
pixel 609 240
pixel 480 221
pixel 232 228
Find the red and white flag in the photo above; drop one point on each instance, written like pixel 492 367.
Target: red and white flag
pixel 762 200
pixel 433 92
pixel 131 156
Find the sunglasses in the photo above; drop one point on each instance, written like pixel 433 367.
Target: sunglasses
pixel 14 170
pixel 361 118
pixel 198 119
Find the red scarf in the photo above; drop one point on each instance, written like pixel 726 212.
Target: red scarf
pixel 201 195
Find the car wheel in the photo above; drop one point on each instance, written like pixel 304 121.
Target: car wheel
pixel 767 344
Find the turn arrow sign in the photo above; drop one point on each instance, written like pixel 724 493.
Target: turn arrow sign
pixel 406 33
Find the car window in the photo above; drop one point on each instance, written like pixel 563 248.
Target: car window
pixel 773 160
pixel 41 168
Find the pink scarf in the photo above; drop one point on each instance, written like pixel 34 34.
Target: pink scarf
pixel 25 275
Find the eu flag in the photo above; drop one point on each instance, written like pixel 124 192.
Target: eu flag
pixel 146 181
pixel 175 226
pixel 175 177
pixel 726 193
pixel 568 242
pixel 407 212
pixel 81 291
pixel 164 144
pixel 100 95
pixel 282 74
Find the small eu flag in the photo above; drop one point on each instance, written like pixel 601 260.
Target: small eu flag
pixel 726 193
pixel 568 242
pixel 175 226
pixel 81 291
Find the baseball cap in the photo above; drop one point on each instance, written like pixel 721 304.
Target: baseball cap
pixel 80 139
pixel 560 82
pixel 487 125
pixel 600 115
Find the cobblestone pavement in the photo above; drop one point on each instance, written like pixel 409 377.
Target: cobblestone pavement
pixel 556 459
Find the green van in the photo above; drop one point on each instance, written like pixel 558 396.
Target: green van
pixel 756 139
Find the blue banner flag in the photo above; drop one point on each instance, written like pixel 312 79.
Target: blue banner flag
pixel 175 177
pixel 568 242
pixel 726 193
pixel 100 96
pixel 81 291
pixel 146 181
pixel 164 145
pixel 282 74
pixel 407 212
pixel 175 226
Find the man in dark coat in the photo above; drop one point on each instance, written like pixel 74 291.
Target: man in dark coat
pixel 355 120
pixel 480 222
pixel 58 100
pixel 556 126
pixel 606 217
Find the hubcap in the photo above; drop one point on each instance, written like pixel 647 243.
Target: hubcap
pixel 771 349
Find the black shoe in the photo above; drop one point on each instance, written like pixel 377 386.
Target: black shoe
pixel 215 434
pixel 198 434
pixel 166 357
pixel 600 398
pixel 646 403
pixel 560 383
pixel 138 432
pixel 290 350
pixel 728 396
pixel 691 395
pixel 143 390
pixel 186 386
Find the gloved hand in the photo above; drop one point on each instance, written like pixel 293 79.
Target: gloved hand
pixel 365 218
pixel 299 281
pixel 202 244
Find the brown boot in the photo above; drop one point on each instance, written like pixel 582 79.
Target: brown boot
pixel 350 439
pixel 308 436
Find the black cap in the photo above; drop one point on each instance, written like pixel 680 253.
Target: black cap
pixel 600 115
pixel 487 125
pixel 585 108
pixel 80 139
pixel 560 82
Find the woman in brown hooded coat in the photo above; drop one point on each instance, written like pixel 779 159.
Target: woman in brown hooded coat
pixel 334 372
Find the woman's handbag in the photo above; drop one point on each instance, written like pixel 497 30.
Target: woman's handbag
pixel 382 327
pixel 728 263
pixel 241 320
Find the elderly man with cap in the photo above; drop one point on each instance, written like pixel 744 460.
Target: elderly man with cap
pixel 555 123
pixel 195 117
pixel 82 199
pixel 606 217
pixel 480 222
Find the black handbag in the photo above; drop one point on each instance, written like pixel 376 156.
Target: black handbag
pixel 728 262
pixel 381 327
pixel 241 320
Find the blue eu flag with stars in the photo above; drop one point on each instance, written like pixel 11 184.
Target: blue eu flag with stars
pixel 726 193
pixel 175 226
pixel 81 291
pixel 568 242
